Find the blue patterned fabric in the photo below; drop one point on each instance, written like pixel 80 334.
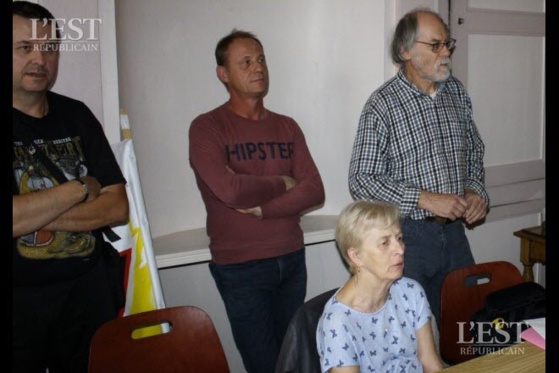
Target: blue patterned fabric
pixel 380 342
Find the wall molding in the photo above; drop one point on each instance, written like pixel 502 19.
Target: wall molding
pixel 515 189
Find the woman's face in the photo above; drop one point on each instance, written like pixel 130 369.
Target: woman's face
pixel 382 253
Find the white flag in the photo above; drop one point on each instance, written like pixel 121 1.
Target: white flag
pixel 143 289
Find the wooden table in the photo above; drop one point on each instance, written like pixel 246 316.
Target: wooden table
pixel 523 357
pixel 532 249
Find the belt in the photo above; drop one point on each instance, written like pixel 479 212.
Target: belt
pixel 439 220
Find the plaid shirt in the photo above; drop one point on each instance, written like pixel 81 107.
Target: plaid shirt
pixel 408 141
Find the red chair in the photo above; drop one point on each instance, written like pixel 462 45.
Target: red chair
pixel 463 293
pixel 176 339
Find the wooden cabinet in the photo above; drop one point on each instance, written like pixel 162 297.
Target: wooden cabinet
pixel 532 249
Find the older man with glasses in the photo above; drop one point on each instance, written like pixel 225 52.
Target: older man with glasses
pixel 417 147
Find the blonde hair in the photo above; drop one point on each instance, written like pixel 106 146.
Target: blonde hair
pixel 359 217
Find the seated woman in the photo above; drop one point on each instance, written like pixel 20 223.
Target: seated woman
pixel 378 321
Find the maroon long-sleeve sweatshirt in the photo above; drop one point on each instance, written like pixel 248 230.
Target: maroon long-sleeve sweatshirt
pixel 258 152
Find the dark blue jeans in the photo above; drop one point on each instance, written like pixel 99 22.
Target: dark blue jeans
pixel 433 250
pixel 260 298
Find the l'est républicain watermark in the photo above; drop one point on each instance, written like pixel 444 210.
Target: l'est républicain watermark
pixel 68 35
pixel 491 337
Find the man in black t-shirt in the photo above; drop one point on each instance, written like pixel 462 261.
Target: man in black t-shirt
pixel 61 287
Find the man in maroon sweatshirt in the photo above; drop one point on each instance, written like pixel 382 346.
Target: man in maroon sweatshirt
pixel 256 177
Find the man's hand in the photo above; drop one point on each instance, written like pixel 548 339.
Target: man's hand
pixel 289 181
pixel 93 187
pixel 229 169
pixel 448 206
pixel 256 211
pixel 477 207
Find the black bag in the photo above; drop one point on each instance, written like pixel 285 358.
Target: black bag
pixel 501 321
pixel 116 269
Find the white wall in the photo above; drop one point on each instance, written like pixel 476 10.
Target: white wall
pixel 79 74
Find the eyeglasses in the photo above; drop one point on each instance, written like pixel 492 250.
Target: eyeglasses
pixel 437 47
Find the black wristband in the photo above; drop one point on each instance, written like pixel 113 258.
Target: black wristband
pixel 85 188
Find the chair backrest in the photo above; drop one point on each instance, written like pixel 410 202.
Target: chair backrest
pixel 175 339
pixel 298 353
pixel 463 293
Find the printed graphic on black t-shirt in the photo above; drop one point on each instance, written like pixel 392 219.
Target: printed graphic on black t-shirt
pixel 31 175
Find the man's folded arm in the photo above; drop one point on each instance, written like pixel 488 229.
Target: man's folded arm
pixel 61 209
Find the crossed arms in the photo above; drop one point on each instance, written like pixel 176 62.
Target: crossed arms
pixel 61 208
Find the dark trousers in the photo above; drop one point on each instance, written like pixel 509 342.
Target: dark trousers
pixel 53 324
pixel 260 298
pixel 433 250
